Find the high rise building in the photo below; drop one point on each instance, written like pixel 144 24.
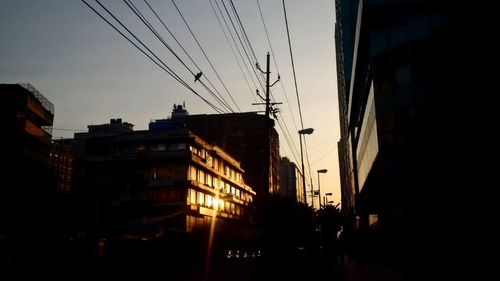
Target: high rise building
pixel 26 119
pixel 151 183
pixel 290 181
pixel 249 137
pixel 413 92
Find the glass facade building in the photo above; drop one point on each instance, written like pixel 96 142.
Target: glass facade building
pixel 413 95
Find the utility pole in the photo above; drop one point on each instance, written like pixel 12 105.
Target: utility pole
pixel 267 101
pixel 269 110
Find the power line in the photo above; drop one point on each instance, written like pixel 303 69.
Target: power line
pixel 237 48
pixel 291 143
pixel 164 67
pixel 232 51
pixel 324 155
pixel 295 82
pixel 308 163
pixel 245 38
pixel 288 141
pixel 243 46
pixel 293 66
pixel 138 13
pixel 276 64
pixel 64 129
pixel 187 54
pixel 206 57
pixel 172 34
pixel 293 147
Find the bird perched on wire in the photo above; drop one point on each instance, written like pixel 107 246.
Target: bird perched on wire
pixel 197 76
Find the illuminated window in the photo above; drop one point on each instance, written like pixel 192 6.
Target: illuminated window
pixel 210 161
pixel 192 196
pixel 232 208
pixel 201 198
pixel 216 164
pixel 216 203
pixel 238 193
pixel 227 188
pixel 201 177
pixel 233 190
pixel 373 220
pixel 216 183
pixel 192 173
pixel 226 170
pixel 208 199
pixel 227 207
pixel 209 180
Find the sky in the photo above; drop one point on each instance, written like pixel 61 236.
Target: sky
pixel 91 74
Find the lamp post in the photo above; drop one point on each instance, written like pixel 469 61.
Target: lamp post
pixel 322 171
pixel 307 131
pixel 326 197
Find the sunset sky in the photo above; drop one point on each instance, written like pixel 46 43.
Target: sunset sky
pixel 91 74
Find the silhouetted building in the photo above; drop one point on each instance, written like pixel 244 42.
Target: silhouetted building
pixel 290 181
pixel 157 182
pixel 412 83
pixel 26 120
pixel 249 137
pixel 62 162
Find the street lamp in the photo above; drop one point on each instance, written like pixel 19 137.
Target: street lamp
pixel 326 197
pixel 307 131
pixel 322 171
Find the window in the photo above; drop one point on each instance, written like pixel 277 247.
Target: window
pixel 201 177
pixel 201 198
pixel 190 223
pixel 210 161
pixel 154 172
pixel 208 200
pixel 192 173
pixel 209 180
pixel 216 183
pixel 216 164
pixel 192 196
pixel 215 202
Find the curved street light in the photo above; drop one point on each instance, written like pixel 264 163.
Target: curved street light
pixel 306 131
pixel 321 171
pixel 326 198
